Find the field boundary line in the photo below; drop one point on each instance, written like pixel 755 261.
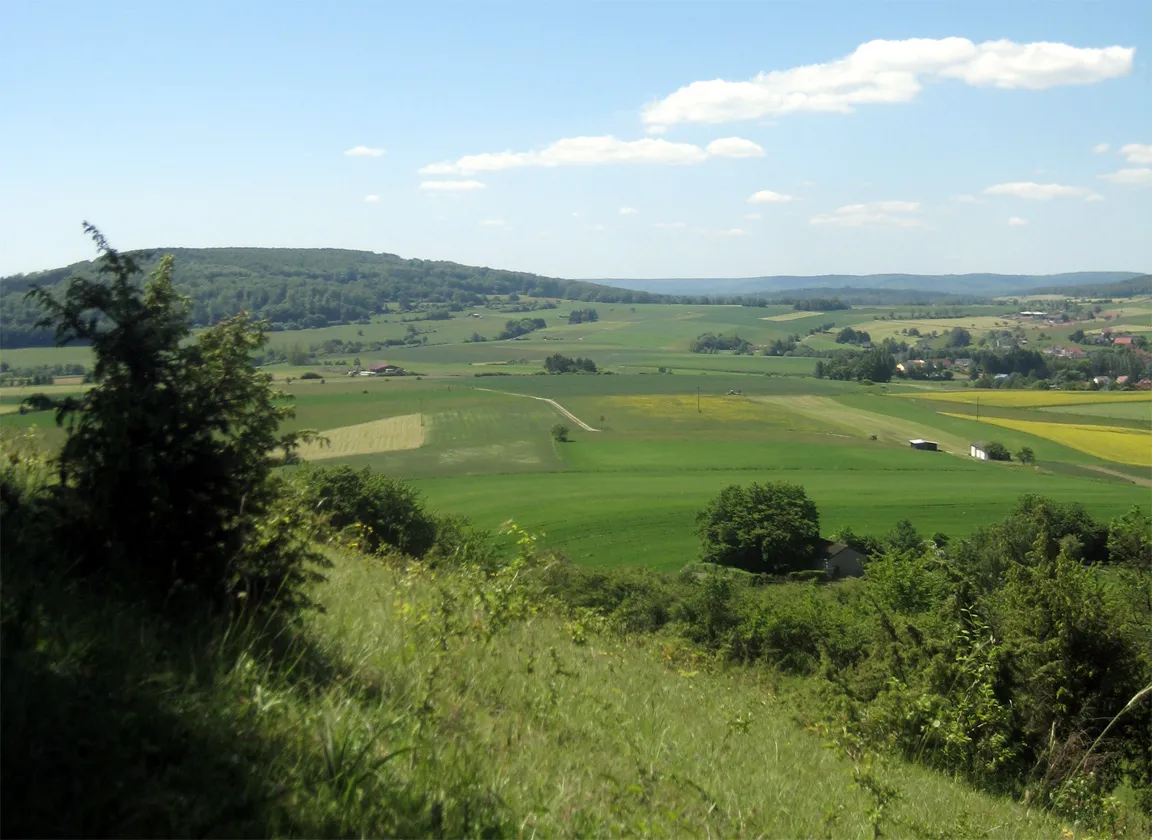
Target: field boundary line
pixel 553 403
pixel 1143 482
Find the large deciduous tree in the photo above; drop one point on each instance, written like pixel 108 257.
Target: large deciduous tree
pixel 772 528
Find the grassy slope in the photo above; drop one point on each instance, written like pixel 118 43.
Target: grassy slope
pixel 417 705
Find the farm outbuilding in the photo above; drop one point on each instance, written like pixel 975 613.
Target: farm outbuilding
pixel 926 445
pixel 839 560
pixel 979 450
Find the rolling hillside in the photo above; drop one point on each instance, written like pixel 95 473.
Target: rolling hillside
pixel 298 288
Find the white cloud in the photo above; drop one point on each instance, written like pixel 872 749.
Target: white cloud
pixel 880 206
pixel 451 186
pixel 592 151
pixel 371 199
pixel 1016 221
pixel 873 213
pixel 627 211
pixel 495 223
pixel 734 147
pixel 669 225
pixel 1137 152
pixel 753 217
pixel 597 228
pixel 1100 148
pixel 887 72
pixel 363 151
pixel 732 232
pixel 769 197
pixel 1130 177
pixel 966 199
pixel 438 169
pixel 1041 192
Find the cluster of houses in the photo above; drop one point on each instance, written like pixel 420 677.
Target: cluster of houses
pixel 382 369
pixel 1072 352
pixel 944 364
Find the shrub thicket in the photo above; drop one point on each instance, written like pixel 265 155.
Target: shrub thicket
pixel 165 478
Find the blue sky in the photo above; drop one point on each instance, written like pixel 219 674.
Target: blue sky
pixel 642 139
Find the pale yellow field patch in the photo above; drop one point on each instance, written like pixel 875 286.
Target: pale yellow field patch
pixel 1112 443
pixel 977 325
pixel 1030 399
pixel 790 316
pixel 392 434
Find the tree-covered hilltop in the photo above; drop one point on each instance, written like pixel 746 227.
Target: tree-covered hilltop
pixel 1141 285
pixel 296 287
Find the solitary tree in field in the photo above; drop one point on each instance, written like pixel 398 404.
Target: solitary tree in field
pixel 772 527
pixel 1026 455
pixel 560 433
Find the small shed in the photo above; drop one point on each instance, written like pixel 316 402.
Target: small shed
pixel 979 450
pixel 927 445
pixel 840 560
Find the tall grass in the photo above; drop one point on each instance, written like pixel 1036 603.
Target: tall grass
pixel 421 703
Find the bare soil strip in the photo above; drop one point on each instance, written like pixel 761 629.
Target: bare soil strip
pixel 552 403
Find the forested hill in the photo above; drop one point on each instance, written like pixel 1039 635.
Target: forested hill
pixel 1125 288
pixel 297 287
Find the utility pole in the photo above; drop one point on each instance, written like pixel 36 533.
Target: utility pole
pixel 697 399
pixel 421 412
pixel 977 408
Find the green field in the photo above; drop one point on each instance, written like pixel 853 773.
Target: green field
pixel 628 493
pixel 665 443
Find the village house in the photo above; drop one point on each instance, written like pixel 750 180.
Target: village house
pixel 926 445
pixel 978 450
pixel 1102 381
pixel 1122 341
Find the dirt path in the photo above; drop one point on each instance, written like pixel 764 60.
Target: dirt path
pixel 552 403
pixel 1143 482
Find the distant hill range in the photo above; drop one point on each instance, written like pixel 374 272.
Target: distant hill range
pixel 984 285
pixel 296 288
pixel 1141 285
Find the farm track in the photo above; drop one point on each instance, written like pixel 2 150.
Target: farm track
pixel 553 403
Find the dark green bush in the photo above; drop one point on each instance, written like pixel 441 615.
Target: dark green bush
pixel 166 473
pixel 392 511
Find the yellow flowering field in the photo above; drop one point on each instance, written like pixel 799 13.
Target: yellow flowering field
pixel 1112 443
pixel 1030 399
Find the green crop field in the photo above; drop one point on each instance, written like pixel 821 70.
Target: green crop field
pixel 628 492
pixel 664 443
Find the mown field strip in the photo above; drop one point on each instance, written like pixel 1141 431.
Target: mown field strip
pixel 392 434
pixel 1112 443
pixel 790 316
pixel 1032 399
pixel 552 403
pixel 863 423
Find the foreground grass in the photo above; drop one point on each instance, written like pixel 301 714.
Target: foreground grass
pixel 425 705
